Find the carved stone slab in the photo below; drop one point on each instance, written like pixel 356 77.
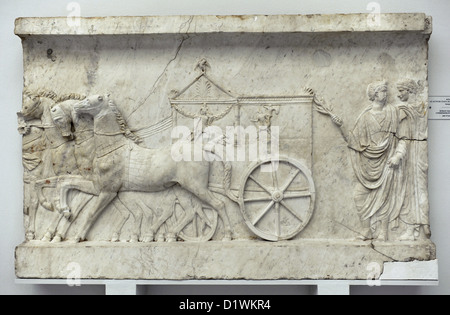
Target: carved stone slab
pixel 224 147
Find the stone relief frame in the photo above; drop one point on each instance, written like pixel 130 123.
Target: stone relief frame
pixel 336 189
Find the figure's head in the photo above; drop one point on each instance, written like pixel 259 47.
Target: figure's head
pixel 62 120
pixel 91 105
pixel 406 88
pixel 377 92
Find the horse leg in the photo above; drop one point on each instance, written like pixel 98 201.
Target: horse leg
pixel 146 230
pixel 188 217
pixel 124 214
pixel 137 213
pixel 64 225
pixel 40 185
pixel 206 196
pixel 191 205
pixel 153 227
pixel 66 183
pixel 32 208
pixel 103 200
pixel 52 227
pixel 166 214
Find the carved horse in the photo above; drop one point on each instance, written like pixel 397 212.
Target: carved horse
pixel 81 130
pixel 56 154
pixel 121 165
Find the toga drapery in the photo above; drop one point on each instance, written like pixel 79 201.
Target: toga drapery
pixel 380 190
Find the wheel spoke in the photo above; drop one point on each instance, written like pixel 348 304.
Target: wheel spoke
pixel 258 199
pixel 278 223
pixel 290 210
pixel 274 176
pixel 283 189
pixel 260 216
pixel 299 194
pixel 260 185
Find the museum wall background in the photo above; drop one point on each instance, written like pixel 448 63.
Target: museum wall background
pixel 11 226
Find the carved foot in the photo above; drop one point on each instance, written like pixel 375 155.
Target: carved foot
pixel 407 236
pixel 382 237
pixel 427 231
pixel 227 237
pixel 365 234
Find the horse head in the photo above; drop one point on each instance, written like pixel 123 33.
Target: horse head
pixel 31 108
pixel 91 105
pixel 62 119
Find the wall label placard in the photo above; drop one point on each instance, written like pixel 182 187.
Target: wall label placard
pixel 439 107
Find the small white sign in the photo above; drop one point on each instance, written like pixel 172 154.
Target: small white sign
pixel 439 107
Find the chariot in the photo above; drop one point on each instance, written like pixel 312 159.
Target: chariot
pixel 271 181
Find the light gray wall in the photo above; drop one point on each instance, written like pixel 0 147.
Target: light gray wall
pixel 11 227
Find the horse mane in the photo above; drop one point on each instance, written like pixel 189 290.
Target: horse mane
pixel 71 96
pixel 53 96
pixel 41 93
pixel 124 128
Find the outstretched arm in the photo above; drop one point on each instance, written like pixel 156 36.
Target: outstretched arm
pixel 340 123
pixel 322 108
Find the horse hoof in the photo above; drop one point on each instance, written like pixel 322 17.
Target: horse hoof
pixel 147 238
pixel 57 239
pixel 115 237
pixel 47 237
pixel 170 237
pixel 47 206
pixel 29 236
pixel 74 241
pixel 134 239
pixel 160 238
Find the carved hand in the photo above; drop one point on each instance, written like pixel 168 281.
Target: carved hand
pixel 394 161
pixel 337 120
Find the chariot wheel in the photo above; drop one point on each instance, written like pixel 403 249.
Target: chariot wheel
pixel 276 198
pixel 202 226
